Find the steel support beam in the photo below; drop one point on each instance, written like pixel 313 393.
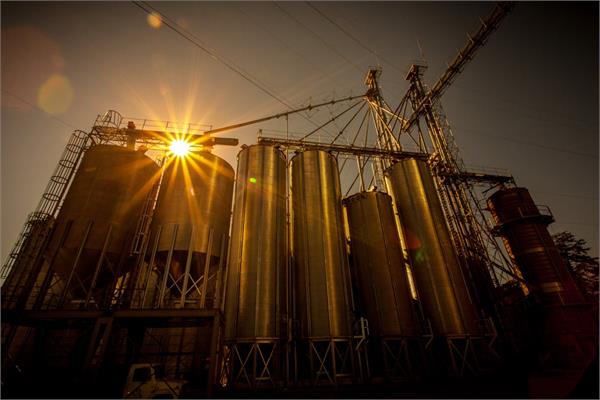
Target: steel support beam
pixel 339 148
pixel 488 26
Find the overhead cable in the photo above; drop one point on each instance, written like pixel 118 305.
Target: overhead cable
pixel 290 49
pixel 360 43
pixel 212 53
pixel 333 49
pixel 39 109
pixel 546 147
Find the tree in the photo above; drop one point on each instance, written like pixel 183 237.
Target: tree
pixel 580 264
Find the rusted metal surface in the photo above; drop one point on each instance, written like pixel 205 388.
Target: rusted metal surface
pixel 524 230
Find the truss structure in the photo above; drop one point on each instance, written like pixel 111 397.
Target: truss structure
pixel 330 361
pixel 249 365
pixel 403 357
pixel 137 307
pixel 65 322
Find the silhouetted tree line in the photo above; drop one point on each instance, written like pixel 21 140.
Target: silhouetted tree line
pixel 581 265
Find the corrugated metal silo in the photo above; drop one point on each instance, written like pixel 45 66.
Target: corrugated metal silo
pixel 527 240
pixel 255 298
pixel 322 300
pixel 377 257
pixel 100 211
pixel 436 270
pixel 191 223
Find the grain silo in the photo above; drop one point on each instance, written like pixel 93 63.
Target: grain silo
pixel 322 300
pixel 377 256
pixel 190 229
pixel 255 304
pixel 383 288
pixel 438 277
pixel 98 217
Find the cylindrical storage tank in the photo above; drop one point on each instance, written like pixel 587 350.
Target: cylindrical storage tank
pixel 379 264
pixel 527 240
pixel 438 277
pixel 256 267
pixel 33 245
pixel 320 260
pixel 100 212
pixel 191 218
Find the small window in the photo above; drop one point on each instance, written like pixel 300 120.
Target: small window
pixel 141 374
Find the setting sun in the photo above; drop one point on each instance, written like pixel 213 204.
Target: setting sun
pixel 179 148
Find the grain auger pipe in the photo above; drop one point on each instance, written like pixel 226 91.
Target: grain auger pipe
pixel 283 114
pixel 475 42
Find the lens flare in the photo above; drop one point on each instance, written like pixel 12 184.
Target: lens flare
pixel 56 95
pixel 179 148
pixel 154 20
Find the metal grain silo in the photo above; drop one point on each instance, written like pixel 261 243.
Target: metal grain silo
pixel 526 237
pixel 257 260
pixel 379 263
pixel 190 227
pixel 99 214
pixel 23 271
pixel 322 299
pixel 435 267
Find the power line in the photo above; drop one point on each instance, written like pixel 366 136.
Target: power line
pixel 333 49
pixel 361 44
pixel 541 146
pixel 213 54
pixel 39 109
pixel 548 117
pixel 554 114
pixel 574 223
pixel 290 49
pixel 568 195
pixel 552 148
pixel 194 40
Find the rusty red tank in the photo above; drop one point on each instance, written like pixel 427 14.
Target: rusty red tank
pixel 524 230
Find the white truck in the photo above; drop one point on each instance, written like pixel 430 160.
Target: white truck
pixel 147 381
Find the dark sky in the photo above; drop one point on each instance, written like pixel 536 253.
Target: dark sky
pixel 528 101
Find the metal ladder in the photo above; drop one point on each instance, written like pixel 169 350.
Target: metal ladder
pixel 34 240
pixel 51 200
pixel 143 225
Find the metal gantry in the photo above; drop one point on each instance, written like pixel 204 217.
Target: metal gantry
pixel 475 42
pixel 371 135
pixel 481 256
pixel 39 224
pixel 41 316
